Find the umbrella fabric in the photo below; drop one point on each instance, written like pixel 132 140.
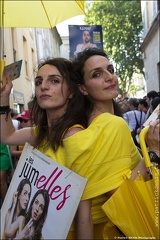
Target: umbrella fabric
pixel 134 207
pixel 38 13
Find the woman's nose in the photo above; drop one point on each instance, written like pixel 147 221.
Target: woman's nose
pixel 108 75
pixel 44 85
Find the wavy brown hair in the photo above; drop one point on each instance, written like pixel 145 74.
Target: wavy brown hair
pixel 75 113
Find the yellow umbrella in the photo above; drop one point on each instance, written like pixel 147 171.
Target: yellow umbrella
pixel 134 207
pixel 36 14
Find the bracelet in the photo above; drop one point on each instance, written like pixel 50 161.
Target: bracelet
pixel 5 110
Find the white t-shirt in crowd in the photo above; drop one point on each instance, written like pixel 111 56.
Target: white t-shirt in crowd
pixel 16 124
pixel 130 119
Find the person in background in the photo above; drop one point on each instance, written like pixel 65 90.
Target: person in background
pixel 14 115
pixel 150 96
pixel 155 102
pixel 124 105
pixel 25 121
pixel 86 43
pixel 143 106
pixel 5 168
pixel 131 116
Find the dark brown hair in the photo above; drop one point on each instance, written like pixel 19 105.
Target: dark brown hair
pixel 79 62
pixel 75 113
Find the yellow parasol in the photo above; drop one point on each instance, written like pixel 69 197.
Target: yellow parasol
pixel 35 13
pixel 134 207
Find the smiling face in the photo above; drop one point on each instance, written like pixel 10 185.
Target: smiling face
pixel 100 81
pixel 38 207
pixel 25 196
pixel 51 89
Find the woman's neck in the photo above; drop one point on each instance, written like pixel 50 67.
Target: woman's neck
pixel 99 109
pixel 54 115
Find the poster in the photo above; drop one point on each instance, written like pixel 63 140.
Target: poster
pixel 46 192
pixel 84 36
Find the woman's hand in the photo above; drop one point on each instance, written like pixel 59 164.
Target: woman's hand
pixel 5 91
pixel 153 137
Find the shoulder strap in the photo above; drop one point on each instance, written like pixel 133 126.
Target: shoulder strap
pixel 137 119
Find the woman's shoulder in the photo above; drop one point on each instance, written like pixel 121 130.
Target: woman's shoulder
pixel 109 122
pixel 108 118
pixel 72 130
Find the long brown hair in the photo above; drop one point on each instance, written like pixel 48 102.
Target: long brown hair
pixel 75 113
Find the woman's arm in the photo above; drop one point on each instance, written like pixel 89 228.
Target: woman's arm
pixel 8 134
pixel 14 151
pixel 84 224
pixel 27 230
pixel 11 227
pixel 153 142
pixel 153 137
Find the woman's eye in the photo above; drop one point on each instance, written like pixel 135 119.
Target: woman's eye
pixel 37 83
pixel 111 70
pixel 55 80
pixel 96 74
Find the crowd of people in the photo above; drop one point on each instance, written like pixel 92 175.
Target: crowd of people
pixel 74 107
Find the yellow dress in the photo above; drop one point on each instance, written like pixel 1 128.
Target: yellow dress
pixel 103 153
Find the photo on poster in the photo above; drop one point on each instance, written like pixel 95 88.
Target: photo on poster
pixel 84 36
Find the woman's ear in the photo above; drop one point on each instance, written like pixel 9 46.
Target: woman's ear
pixel 82 89
pixel 70 96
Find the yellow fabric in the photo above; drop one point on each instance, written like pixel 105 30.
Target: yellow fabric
pixel 101 231
pixel 139 203
pixel 102 153
pixel 38 13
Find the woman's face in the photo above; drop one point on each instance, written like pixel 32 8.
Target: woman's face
pixel 51 89
pixel 37 207
pixel 100 81
pixel 25 196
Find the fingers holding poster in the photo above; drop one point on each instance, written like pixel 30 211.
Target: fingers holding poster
pixel 84 36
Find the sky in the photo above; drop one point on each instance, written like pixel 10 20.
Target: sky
pixel 63 26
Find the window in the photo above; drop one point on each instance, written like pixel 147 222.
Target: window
pixel 25 55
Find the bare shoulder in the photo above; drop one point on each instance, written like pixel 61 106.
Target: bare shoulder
pixel 72 131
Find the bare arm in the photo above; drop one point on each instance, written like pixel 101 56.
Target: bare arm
pixel 26 232
pixel 153 137
pixel 153 142
pixel 14 151
pixel 84 224
pixel 11 227
pixel 8 134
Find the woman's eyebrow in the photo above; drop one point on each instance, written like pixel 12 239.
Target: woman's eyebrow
pixel 54 75
pixel 99 68
pixel 49 76
pixel 38 77
pixel 110 65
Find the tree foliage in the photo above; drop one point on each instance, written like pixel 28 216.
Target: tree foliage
pixel 122 27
